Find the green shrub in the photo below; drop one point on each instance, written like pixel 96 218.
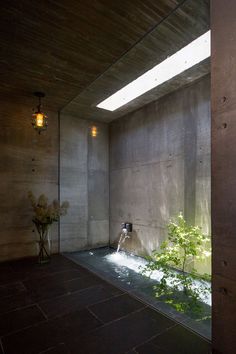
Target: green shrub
pixel 175 260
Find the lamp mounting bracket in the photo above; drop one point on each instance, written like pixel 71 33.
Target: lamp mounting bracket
pixel 39 94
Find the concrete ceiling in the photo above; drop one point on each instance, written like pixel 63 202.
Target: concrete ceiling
pixel 79 52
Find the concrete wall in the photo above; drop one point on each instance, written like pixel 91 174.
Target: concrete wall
pixel 224 176
pixel 160 165
pixel 28 161
pixel 84 182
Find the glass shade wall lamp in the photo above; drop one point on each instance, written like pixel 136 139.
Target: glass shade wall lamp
pixel 39 119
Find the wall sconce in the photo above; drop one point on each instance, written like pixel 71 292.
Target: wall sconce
pixel 39 119
pixel 94 131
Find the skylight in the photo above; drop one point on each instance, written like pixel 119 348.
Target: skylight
pixel 185 58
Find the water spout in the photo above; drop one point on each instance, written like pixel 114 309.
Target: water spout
pixel 123 236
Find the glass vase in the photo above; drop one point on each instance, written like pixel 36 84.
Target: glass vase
pixel 44 242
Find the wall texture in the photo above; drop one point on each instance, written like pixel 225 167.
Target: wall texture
pixel 160 165
pixel 28 161
pixel 84 182
pixel 224 175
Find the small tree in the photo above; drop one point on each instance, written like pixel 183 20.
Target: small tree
pixel 175 260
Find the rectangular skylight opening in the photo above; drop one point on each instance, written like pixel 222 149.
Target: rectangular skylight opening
pixel 184 59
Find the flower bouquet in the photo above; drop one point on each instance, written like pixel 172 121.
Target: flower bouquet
pixel 44 215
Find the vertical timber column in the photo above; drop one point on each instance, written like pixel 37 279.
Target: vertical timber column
pixel 223 26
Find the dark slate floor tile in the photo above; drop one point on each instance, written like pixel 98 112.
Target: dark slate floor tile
pixel 33 340
pixel 74 301
pixel 64 276
pixel 58 349
pixel 83 283
pixel 18 319
pixel 77 323
pixel 91 280
pixel 14 302
pixel 181 341
pixel 47 335
pixel 43 290
pixel 59 261
pixel 23 267
pixel 54 278
pixel 122 335
pixel 29 264
pixel 30 269
pixel 7 275
pixel 149 348
pixel 59 284
pixel 116 307
pixel 46 287
pixel 112 289
pixel 11 289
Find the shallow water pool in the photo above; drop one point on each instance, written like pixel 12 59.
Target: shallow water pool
pixel 125 271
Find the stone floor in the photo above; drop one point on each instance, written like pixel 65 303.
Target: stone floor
pixel 62 308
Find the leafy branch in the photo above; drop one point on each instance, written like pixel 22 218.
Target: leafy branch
pixel 175 260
